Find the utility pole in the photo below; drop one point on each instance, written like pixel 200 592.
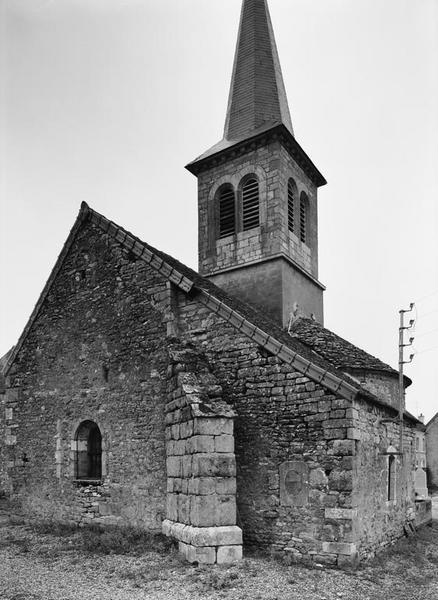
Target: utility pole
pixel 401 362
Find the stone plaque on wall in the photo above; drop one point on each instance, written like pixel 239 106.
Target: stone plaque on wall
pixel 294 483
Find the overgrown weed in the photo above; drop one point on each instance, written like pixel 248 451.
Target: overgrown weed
pixel 208 579
pixel 127 540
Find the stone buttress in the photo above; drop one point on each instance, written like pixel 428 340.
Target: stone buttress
pixel 201 466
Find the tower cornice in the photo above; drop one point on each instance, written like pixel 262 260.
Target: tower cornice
pixel 226 150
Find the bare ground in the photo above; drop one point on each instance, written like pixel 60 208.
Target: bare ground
pixel 55 563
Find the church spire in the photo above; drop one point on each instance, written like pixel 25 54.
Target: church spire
pixel 257 188
pixel 257 95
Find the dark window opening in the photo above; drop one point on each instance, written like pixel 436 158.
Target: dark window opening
pixel 105 373
pixel 391 478
pixel 88 451
pixel 303 219
pixel 250 204
pixel 227 212
pixel 291 205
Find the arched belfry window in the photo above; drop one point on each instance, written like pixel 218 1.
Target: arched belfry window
pixel 227 211
pixel 304 217
pixel 88 459
pixel 292 195
pixel 250 203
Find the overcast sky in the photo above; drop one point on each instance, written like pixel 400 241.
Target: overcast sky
pixel 107 100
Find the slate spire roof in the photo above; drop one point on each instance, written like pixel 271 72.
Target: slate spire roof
pixel 257 104
pixel 257 94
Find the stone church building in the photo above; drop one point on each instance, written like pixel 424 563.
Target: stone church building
pixel 212 406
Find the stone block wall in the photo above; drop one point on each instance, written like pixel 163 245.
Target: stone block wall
pixel 3 468
pixel 291 464
pixel 380 519
pixel 97 351
pixel 432 452
pixel 384 385
pixel 307 460
pixel 201 468
pixel 273 166
pixel 294 447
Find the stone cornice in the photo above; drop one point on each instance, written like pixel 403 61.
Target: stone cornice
pixel 279 255
pixel 229 150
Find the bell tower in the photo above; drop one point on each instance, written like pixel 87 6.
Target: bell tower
pixel 257 188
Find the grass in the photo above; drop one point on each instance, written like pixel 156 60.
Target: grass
pixel 123 541
pixel 111 540
pixel 138 562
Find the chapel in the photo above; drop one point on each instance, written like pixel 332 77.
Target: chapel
pixel 213 406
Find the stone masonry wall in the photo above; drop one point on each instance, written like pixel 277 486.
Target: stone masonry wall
pixel 432 453
pixel 201 465
pixel 379 519
pixel 3 481
pixel 293 446
pixel 383 385
pixel 98 351
pixel 273 167
pixel 103 348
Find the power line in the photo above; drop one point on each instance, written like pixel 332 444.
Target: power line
pixel 427 350
pixel 428 313
pixel 426 333
pixel 426 297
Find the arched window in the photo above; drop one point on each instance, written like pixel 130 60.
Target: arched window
pixel 250 204
pixel 227 211
pixel 304 208
pixel 391 477
pixel 88 460
pixel 291 202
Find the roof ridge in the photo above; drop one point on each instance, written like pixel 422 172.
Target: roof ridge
pixel 253 322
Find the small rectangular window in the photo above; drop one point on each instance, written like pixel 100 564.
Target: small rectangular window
pixel 391 478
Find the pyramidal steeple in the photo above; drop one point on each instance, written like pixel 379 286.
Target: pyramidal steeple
pixel 257 95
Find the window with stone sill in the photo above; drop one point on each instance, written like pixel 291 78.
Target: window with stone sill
pixel 88 452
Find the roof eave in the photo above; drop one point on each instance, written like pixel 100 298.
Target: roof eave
pixel 279 131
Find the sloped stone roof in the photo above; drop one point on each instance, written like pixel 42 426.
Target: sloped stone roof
pixel 242 316
pixel 342 354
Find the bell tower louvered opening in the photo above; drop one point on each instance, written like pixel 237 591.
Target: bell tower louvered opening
pixel 291 201
pixel 303 218
pixel 227 211
pixel 250 204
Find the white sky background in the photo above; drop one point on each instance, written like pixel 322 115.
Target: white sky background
pixel 107 100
